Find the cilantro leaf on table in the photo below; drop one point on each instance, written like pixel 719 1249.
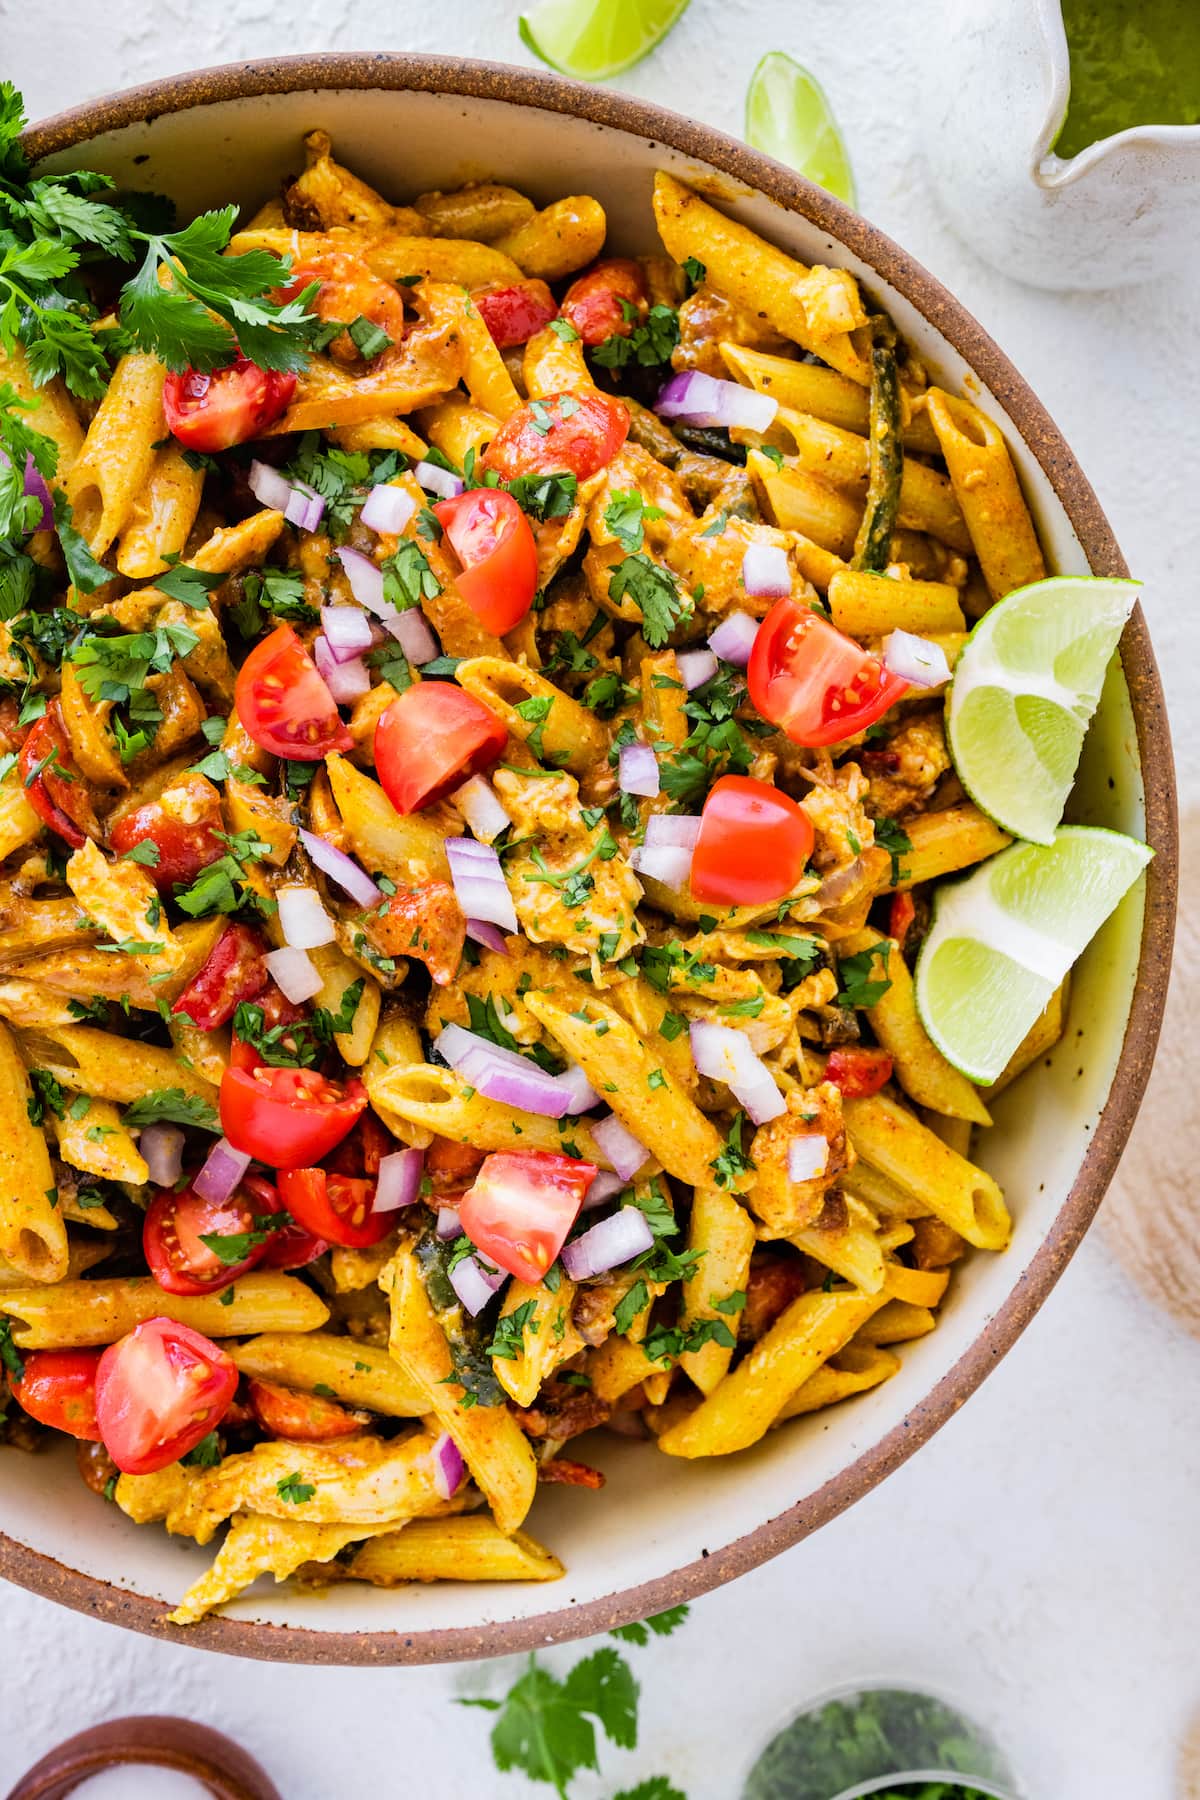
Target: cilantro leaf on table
pixel 655 1787
pixel 658 1625
pixel 545 1726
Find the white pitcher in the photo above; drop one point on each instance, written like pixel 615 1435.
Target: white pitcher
pixel 1123 210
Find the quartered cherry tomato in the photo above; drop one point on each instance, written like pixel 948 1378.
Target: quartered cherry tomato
pixel 173 1234
pixel 59 1388
pixel 182 824
pixel 51 779
pixel 236 970
pixel 575 434
pixel 858 1071
pixel 291 1247
pixel 287 1118
pixel 159 1390
pixel 335 1207
pixel 230 406
pixel 301 1418
pixel 593 302
pixel 515 313
pixel 431 738
pixel 813 681
pixel 491 538
pixel 283 701
pixel 754 842
pixel 521 1206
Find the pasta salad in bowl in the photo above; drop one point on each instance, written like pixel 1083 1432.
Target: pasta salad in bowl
pixel 535 758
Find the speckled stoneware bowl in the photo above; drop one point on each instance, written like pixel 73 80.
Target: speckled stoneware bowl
pixel 662 1531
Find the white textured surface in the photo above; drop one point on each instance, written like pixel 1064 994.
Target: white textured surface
pixel 1039 1557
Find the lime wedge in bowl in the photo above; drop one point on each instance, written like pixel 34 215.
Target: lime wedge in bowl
pixel 789 117
pixel 593 39
pixel 1002 940
pixel 1026 684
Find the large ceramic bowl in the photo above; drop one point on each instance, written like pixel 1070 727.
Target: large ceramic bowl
pixel 662 1531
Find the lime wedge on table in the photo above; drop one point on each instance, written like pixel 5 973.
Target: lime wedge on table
pixel 593 39
pixel 1025 687
pixel 788 116
pixel 1002 939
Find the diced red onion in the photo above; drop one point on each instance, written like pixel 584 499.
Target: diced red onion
pixel 915 659
pixel 295 974
pixel 298 503
pixel 387 508
pixel 698 399
pixel 347 678
pixel 696 667
pixel 438 481
pixel 399 1180
pixel 766 571
pixel 733 640
pixel 479 882
pixel 341 869
pixel 620 1146
pixel 348 632
pixel 676 831
pixel 36 489
pixel 448 1466
pixel 223 1169
pixel 807 1157
pixel 449 1225
pixel 162 1150
pixel 411 631
pixel 583 1095
pixel 502 1074
pixel 637 771
pixel 668 864
pixel 477 802
pixel 603 1187
pixel 482 931
pixel 302 919
pixel 473 1284
pixel 408 628
pixel 617 1239
pixel 724 1054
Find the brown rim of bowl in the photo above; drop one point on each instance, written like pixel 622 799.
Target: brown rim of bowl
pixel 550 93
pixel 149 1740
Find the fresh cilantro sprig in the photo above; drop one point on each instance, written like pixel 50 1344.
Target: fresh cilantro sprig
pixel 654 591
pixel 173 1107
pixel 650 342
pixel 859 988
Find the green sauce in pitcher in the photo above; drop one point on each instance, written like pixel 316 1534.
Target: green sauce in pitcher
pixel 1133 62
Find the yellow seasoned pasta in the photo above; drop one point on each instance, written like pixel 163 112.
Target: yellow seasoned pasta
pixel 427 928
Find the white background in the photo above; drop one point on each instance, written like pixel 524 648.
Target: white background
pixel 1040 1556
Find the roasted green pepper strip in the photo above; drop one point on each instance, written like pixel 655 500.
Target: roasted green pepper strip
pixel 872 546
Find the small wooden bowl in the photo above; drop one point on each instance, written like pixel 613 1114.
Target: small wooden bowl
pixel 156 1740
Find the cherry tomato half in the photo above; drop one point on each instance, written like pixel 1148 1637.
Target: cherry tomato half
pixel 236 970
pixel 287 1118
pixel 754 842
pixel 158 1392
pixel 55 788
pixel 813 681
pixel 173 1234
pixel 283 702
pixel 301 1418
pixel 521 1207
pixel 230 406
pixel 59 1388
pixel 291 1247
pixel 491 538
pixel 431 738
pixel 335 1207
pixel 513 314
pixel 858 1071
pixel 564 433
pixel 182 824
pixel 593 302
